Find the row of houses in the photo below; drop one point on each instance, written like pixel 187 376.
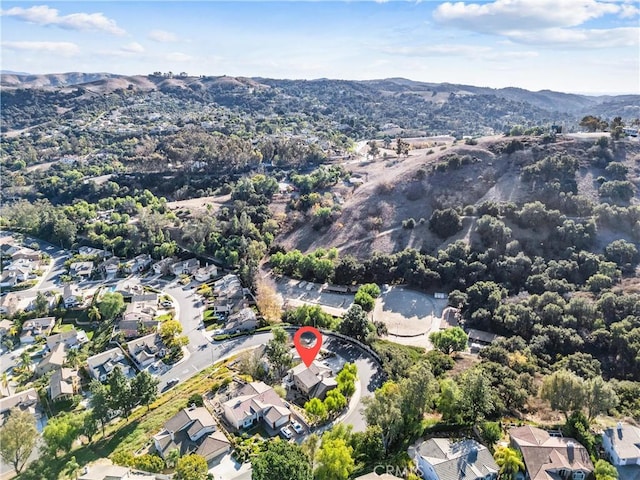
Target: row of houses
pixel 546 456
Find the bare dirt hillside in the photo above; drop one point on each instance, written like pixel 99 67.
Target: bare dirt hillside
pixel 398 188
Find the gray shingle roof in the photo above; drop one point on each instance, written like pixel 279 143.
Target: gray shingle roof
pixel 462 460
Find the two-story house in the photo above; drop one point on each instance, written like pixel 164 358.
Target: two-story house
pixel 622 444
pixel 101 365
pixel 191 430
pixel 446 459
pixel 548 457
pixel 36 327
pixel 314 381
pixel 186 267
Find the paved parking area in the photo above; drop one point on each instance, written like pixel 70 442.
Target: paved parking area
pixel 409 315
pixel 296 292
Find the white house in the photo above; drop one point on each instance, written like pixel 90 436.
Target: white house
pixel 205 273
pixel 138 264
pixel 242 321
pixel 8 279
pixel 36 327
pixel 446 459
pixel 146 350
pixel 622 444
pixel 101 365
pixel 81 269
pixel 186 267
pixel 253 403
pixel 71 295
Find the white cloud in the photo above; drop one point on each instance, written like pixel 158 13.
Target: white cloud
pixel 178 57
pixel 46 16
pixel 542 22
pixel 580 38
pixel 502 15
pixel 133 47
pixel 162 36
pixel 66 49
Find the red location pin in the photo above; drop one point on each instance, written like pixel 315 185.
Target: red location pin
pixel 307 353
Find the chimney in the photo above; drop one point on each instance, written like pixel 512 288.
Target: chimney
pixel 171 434
pixel 570 451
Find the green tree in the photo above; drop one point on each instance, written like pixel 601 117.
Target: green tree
pixel 111 305
pixel 367 445
pixel 121 393
pixel 564 390
pixel 316 409
pixel 335 401
pixel 355 324
pixel 605 471
pixel 41 304
pixel 346 380
pixel 491 432
pixel 90 425
pixel 599 397
pixel 172 458
pixel 192 467
pixel 310 447
pixel 366 301
pixel 384 410
pixel 19 437
pixel 278 352
pixel 445 223
pixel 373 151
pixel 93 313
pixel 61 432
pixel 476 396
pixel 449 340
pixel 100 403
pixel 448 402
pixel 335 460
pixel 509 461
pixel 72 468
pixel 26 361
pixel 281 460
pixel 144 387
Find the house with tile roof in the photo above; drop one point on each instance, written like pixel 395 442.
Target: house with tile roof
pixel 64 384
pixel 191 430
pixel 447 459
pixel 548 457
pixel 622 444
pixel 253 403
pixel 314 381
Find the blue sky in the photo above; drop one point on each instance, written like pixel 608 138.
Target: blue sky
pixel 565 45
